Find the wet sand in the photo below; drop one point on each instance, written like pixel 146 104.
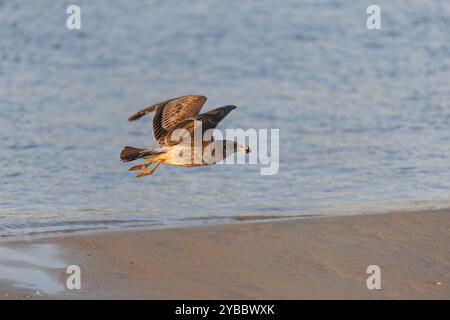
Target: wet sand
pixel 323 258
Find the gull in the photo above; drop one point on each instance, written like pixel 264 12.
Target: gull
pixel 177 115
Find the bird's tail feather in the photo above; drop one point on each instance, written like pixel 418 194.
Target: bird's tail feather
pixel 130 153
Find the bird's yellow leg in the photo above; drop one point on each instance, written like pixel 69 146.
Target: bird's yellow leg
pixel 140 166
pixel 148 172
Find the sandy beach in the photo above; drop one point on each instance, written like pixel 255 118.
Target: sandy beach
pixel 309 258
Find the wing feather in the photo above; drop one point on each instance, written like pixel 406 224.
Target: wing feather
pixel 171 112
pixel 209 120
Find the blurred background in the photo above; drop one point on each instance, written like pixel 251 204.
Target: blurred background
pixel 363 114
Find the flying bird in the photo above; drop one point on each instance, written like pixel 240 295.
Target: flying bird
pixel 181 115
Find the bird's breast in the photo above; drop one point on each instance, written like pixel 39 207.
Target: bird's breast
pixel 184 155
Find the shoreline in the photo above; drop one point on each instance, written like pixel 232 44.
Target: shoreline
pixel 206 222
pixel 296 258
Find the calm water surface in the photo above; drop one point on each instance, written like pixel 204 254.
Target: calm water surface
pixel 363 115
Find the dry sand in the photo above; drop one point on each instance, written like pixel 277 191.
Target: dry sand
pixel 309 258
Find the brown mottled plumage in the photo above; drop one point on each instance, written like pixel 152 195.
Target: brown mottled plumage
pixel 180 113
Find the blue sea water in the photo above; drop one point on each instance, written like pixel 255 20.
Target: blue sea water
pixel 364 115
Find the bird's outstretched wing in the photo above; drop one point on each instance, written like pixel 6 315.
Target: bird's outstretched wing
pixel 143 112
pixel 171 112
pixel 209 120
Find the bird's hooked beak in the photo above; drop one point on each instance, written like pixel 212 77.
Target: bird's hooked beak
pixel 244 149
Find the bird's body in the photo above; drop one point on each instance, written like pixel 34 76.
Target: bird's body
pixel 187 156
pixel 175 129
